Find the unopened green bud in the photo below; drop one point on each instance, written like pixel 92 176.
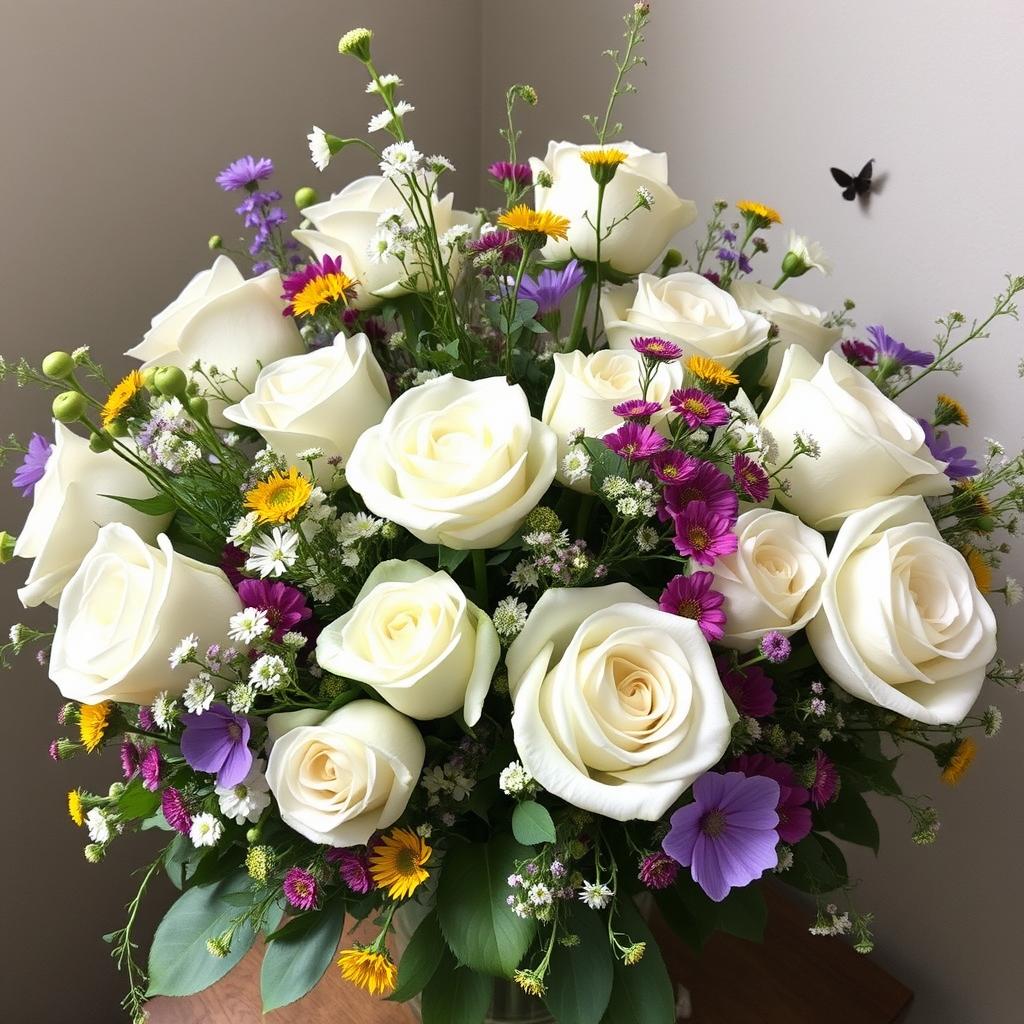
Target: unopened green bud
pixel 69 407
pixel 117 429
pixel 673 258
pixel 147 374
pixel 793 265
pixel 94 853
pixel 219 946
pixel 356 43
pixel 198 406
pixel 7 542
pixel 305 196
pixel 986 524
pixel 100 442
pixel 170 380
pixel 116 790
pixel 253 835
pixel 526 93
pixel 58 365
pixel 215 242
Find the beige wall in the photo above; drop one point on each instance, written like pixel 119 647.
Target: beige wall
pixel 115 116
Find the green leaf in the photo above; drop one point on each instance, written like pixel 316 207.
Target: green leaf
pixel 420 960
pixel 641 994
pixel 180 860
pixel 477 924
pixel 449 559
pixel 294 964
pixel 743 913
pixel 688 911
pixel 532 824
pixel 179 962
pixel 456 995
pixel 159 505
pixel 751 370
pixel 603 462
pixel 137 802
pixel 849 817
pixel 818 866
pixel 581 977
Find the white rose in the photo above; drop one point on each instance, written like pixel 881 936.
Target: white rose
pixel 684 308
pixel 456 462
pixel 902 622
pixel 870 448
pixel 339 781
pixel 68 508
pixel 320 399
pixel 617 705
pixel 126 609
pixel 226 320
pixel 584 389
pixel 345 224
pixel 414 638
pixel 772 581
pixel 799 323
pixel 637 242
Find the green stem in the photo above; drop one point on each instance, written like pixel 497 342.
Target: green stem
pixel 510 315
pixel 579 313
pixel 781 281
pixel 597 265
pixel 480 575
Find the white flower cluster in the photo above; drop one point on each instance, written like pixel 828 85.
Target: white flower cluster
pixel 445 781
pixel 831 922
pixel 636 500
pixel 515 780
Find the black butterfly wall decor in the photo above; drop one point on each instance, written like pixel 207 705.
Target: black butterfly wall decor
pixel 854 186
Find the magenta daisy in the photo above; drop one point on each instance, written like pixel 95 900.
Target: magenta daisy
pixel 750 478
pixel 176 811
pixel 145 717
pixel 859 353
pixel 672 467
pixel 658 349
pixel 698 408
pixel 794 814
pixel 692 598
pixel 727 836
pixel 751 689
pixel 705 483
pixel 505 172
pixel 285 606
pixel 826 779
pixel 775 647
pixel 703 535
pixel 129 758
pixel 635 442
pixel 502 241
pixel 354 868
pixel 149 769
pixel 636 410
pixel 658 871
pixel 300 889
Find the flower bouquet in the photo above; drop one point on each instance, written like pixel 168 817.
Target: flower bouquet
pixel 470 575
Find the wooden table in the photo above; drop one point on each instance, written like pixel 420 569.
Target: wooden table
pixel 792 978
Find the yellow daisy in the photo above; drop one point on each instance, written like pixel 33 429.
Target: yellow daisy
pixel 759 211
pixel 120 397
pixel 960 761
pixel 93 722
pixel 279 497
pixel 949 410
pixel 373 972
pixel 980 569
pixel 711 371
pixel 541 222
pixel 608 157
pixel 396 863
pixel 75 809
pixel 322 291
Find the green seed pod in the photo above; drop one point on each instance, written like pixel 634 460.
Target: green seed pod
pixel 99 443
pixel 58 365
pixel 69 407
pixel 170 381
pixel 305 196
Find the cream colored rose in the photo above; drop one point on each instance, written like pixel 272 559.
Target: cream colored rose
pixel 226 320
pixel 687 309
pixel 633 244
pixel 772 581
pixel 345 225
pixel 799 323
pixel 870 448
pixel 902 622
pixel 617 705
pixel 68 509
pixel 340 780
pixel 456 462
pixel 414 638
pixel 584 389
pixel 126 609
pixel 320 399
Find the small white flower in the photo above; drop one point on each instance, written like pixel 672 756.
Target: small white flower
pixel 596 896
pixel 274 555
pixel 514 779
pixel 383 82
pixel 524 576
pixel 992 720
pixel 785 859
pixel 381 246
pixel 514 881
pixel 248 625
pixel 323 593
pixel 438 163
pixel 17 633
pixel 98 824
pixel 246 801
pixel 646 538
pixel 199 694
pixel 645 197
pixel 1013 592
pixel 165 710
pixel 356 526
pixel 80 354
pixel 319 151
pixel 310 454
pixel 230 439
pixel 206 830
pixel 241 698
pixel 294 640
pixel 386 117
pixel 400 158
pixel 806 441
pixel 186 649
pixel 810 254
pixel 422 376
pixel 268 672
pixel 576 464
pixel 509 617
pixel 454 235
pixel 539 895
pixel 243 528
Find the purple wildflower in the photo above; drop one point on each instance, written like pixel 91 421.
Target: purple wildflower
pixel 300 889
pixel 217 742
pixel 939 444
pixel 176 811
pixel 727 836
pixel 354 868
pixel 130 756
pixel 54 750
pixel 506 173
pixel 149 769
pixel 501 240
pixel 285 606
pixel 727 255
pixel 550 288
pixel 635 442
pixel 145 717
pixel 826 779
pixel 32 467
pixel 658 871
pixel 794 814
pixel 316 268
pixel 728 236
pixel 751 479
pixel 888 347
pixel 703 482
pixel 232 560
pixel 636 410
pixel 713 276
pixel 743 262
pixel 698 408
pixel 245 173
pixel 775 647
pixel 658 349
pixel 692 598
pixel 859 353
pixel 750 689
pixel 703 535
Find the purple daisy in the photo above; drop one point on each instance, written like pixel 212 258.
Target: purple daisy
pixel 130 756
pixel 550 288
pixel 707 483
pixel 217 742
pixel 859 353
pixel 635 442
pixel 315 269
pixel 149 769
pixel 826 779
pixel 698 408
pixel 692 598
pixel 658 349
pixel 146 720
pixel 794 814
pixel 503 241
pixel 33 466
pixel 727 835
pixel 658 871
pixel 888 347
pixel 176 811
pixel 750 478
pixel 637 410
pixel 751 689
pixel 354 868
pixel 672 467
pixel 775 647
pixel 245 173
pixel 939 444
pixel 505 172
pixel 285 606
pixel 300 889
pixel 703 535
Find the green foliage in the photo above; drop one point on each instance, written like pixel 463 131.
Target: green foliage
pixel 603 462
pixel 580 979
pixel 421 959
pixel 641 994
pixel 751 370
pixel 818 866
pixel 532 824
pixel 695 918
pixel 159 505
pixel 849 817
pixel 137 802
pixel 456 995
